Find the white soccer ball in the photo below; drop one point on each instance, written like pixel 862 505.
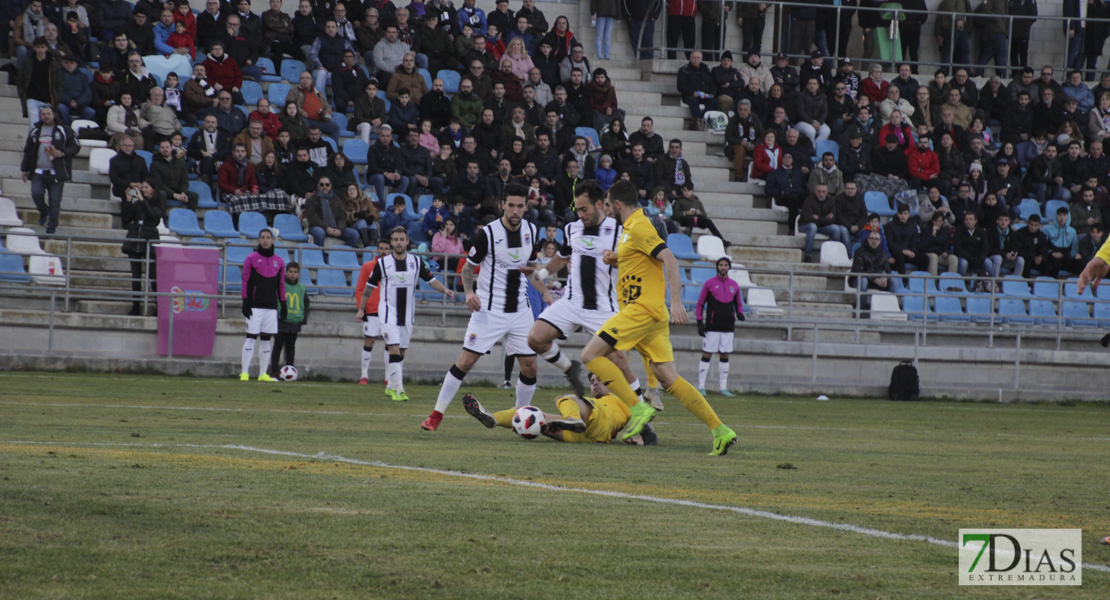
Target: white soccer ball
pixel 528 422
pixel 288 373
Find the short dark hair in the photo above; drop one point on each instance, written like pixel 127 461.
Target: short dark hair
pixel 293 265
pixel 591 189
pixel 514 189
pixel 625 193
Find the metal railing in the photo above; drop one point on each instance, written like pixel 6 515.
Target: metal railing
pixel 779 22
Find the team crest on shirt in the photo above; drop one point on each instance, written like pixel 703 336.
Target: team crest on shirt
pixel 473 337
pixel 275 264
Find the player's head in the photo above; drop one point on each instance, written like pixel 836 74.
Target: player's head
pixel 513 203
pixel 383 247
pixel 399 240
pixel 265 238
pixel 723 265
pixel 292 272
pixel 625 198
pixel 597 388
pixel 589 203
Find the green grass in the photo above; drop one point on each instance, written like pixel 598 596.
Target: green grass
pixel 114 486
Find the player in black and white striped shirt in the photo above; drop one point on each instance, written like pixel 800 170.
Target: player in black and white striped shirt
pixel 397 275
pixel 505 250
pixel 590 298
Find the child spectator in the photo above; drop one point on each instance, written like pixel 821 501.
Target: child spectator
pixel 294 314
pixel 172 91
pixel 179 39
pixel 658 209
pixel 494 43
pixel 605 174
pixel 396 217
pixel 447 241
pixel 690 212
pixel 435 218
pixel 874 223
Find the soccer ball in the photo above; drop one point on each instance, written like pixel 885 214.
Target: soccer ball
pixel 528 422
pixel 288 373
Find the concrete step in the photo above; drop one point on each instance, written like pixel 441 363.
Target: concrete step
pixel 87 249
pixel 116 280
pixel 71 204
pixel 733 187
pixel 762 253
pixel 801 334
pixel 735 229
pixel 783 282
pixel 748 214
pixel 71 219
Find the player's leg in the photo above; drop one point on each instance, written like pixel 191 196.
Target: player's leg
pixel 703 370
pixel 275 358
pixel 452 381
pixel 393 371
pixel 248 354
pixel 291 348
pixel 526 382
pixel 596 356
pixel 508 361
pixel 570 423
pixel 651 394
pixel 268 329
pixel 723 436
pixel 371 329
pixel 541 339
pixel 724 349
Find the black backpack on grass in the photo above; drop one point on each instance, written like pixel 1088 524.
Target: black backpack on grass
pixel 904 384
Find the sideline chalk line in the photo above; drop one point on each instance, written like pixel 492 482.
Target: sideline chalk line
pixel 751 512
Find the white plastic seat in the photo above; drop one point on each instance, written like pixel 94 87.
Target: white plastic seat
pixel 78 124
pixel 834 254
pixel 46 269
pixel 762 302
pixel 797 231
pixel 740 275
pixel 22 240
pixel 9 216
pixel 99 159
pixel 710 247
pixel 884 306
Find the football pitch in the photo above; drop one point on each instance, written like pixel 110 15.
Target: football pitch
pixel 145 486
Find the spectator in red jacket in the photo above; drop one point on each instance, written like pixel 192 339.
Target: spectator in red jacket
pixel 680 20
pixel 236 175
pixel 922 163
pixel 271 123
pixel 223 72
pixel 766 157
pixel 874 87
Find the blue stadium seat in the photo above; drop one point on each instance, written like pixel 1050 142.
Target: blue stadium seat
pixel 238 251
pixel 427 77
pixel 1028 207
pixel 690 295
pixel 425 292
pixel 954 281
pixel 450 81
pixel 147 156
pixel 922 281
pixel 187 133
pixel 1012 310
pixel 269 72
pixel 824 146
pixel 205 192
pixel 282 253
pixel 1102 313
pixel 277 92
pixel 250 223
pixel 184 222
pixel 343 259
pixel 234 279
pixel 914 306
pixel 251 91
pixel 11 268
pixel 1014 287
pixel 949 310
pixel 1078 313
pixel 682 247
pixel 700 275
pixel 878 203
pixel 340 121
pixel 309 287
pixel 311 256
pixel 289 228
pixel 979 308
pixel 1071 290
pixel 333 283
pixel 331 142
pixel 416 233
pixel 1103 292
pixel 355 149
pixel 409 208
pixel 1047 287
pixel 423 203
pixel 1043 311
pixel 217 224
pixel 291 72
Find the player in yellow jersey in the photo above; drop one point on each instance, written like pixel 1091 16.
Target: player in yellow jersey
pixel 643 259
pixel 597 419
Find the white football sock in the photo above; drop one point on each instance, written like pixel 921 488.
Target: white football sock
pixel 451 384
pixel 703 372
pixel 367 357
pixel 524 391
pixel 722 373
pixel 248 354
pixel 265 349
pixel 557 358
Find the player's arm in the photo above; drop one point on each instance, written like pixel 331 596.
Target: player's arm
pixel 360 287
pixel 553 266
pixel 436 284
pixel 473 302
pixel 1096 269
pixel 739 304
pixel 541 287
pixel 670 268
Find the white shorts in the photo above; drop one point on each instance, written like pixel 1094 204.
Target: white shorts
pixel 371 326
pixel 486 328
pixel 717 342
pixel 396 335
pixel 567 318
pixel 263 320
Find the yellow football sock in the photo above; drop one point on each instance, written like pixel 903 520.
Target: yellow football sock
pixel 694 402
pixel 568 407
pixel 611 375
pixel 504 418
pixel 652 380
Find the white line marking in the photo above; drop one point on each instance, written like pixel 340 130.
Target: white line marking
pixel 751 512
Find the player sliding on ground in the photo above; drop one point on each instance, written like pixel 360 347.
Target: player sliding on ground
pixel 590 298
pixel 580 419
pixel 505 250
pixel 643 258
pixel 396 274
